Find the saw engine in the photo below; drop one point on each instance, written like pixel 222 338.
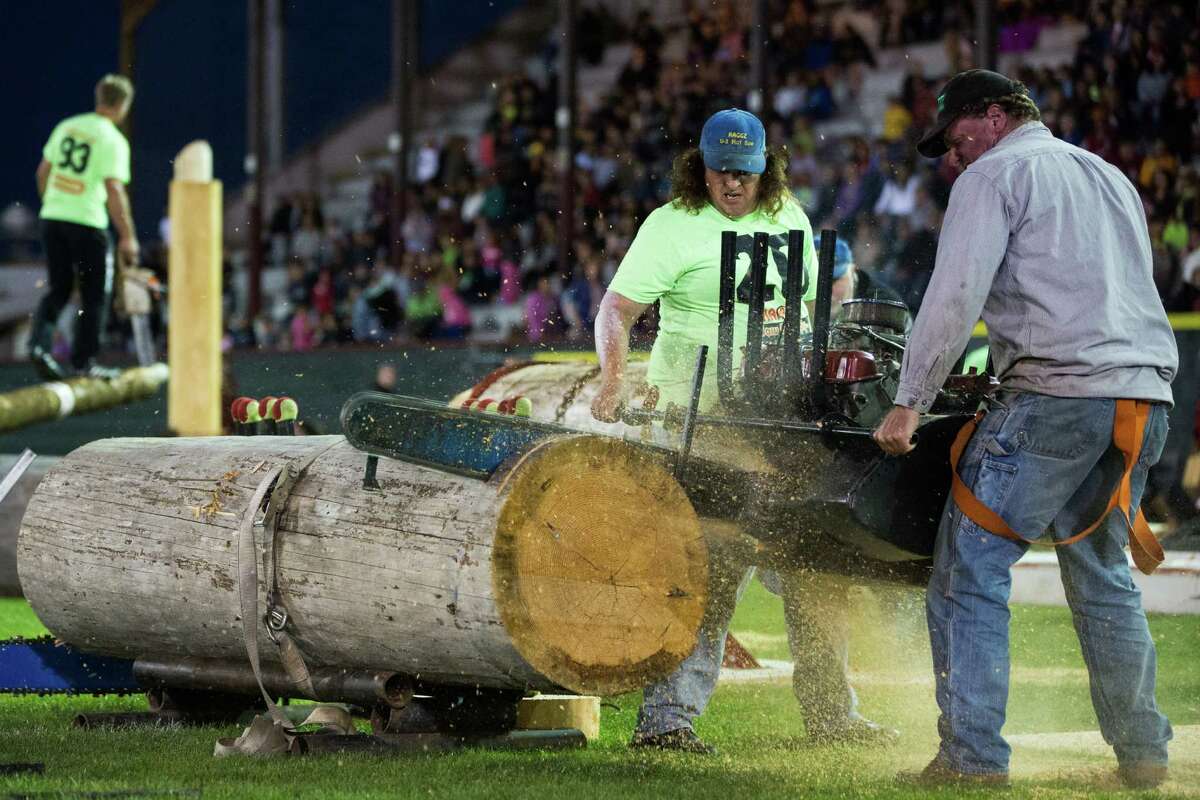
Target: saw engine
pixel 862 367
pixel 834 501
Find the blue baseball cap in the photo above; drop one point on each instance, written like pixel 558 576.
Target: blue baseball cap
pixel 842 257
pixel 733 140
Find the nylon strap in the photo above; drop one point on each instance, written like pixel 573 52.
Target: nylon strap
pixel 273 735
pixel 248 586
pixel 1129 427
pixel 289 652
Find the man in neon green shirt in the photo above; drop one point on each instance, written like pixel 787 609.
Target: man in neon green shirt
pixel 675 260
pixel 730 182
pixel 81 180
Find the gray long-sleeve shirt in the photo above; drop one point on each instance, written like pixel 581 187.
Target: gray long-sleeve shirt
pixel 1048 243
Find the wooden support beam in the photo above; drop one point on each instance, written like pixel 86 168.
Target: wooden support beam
pixel 194 278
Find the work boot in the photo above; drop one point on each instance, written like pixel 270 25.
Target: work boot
pixel 854 731
pixel 1142 774
pixel 47 367
pixel 680 740
pixel 938 774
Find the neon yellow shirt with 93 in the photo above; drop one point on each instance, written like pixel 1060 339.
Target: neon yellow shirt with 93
pixel 676 259
pixel 83 151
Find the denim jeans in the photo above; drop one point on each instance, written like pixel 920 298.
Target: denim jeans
pixel 1046 465
pixel 816 611
pixel 817 637
pixel 673 702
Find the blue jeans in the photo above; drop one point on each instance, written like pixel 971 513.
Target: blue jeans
pixel 673 702
pixel 818 637
pixel 1045 464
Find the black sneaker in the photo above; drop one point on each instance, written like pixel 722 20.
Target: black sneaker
pixel 47 367
pixel 99 372
pixel 680 740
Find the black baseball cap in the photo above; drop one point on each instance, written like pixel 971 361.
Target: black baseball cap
pixel 960 92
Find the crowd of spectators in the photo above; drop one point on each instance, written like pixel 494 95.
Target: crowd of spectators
pixel 481 232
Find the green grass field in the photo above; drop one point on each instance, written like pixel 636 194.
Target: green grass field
pixel 757 727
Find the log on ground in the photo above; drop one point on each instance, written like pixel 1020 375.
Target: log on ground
pixel 580 565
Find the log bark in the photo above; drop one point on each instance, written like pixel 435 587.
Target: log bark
pixel 562 392
pixel 580 565
pixel 57 399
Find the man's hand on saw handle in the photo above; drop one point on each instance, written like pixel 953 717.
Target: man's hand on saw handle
pixel 895 433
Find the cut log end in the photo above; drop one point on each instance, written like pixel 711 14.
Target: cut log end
pixel 600 568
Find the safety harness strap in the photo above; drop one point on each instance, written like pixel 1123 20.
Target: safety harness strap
pixel 1129 427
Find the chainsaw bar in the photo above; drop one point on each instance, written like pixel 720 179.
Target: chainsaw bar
pixel 435 435
pixel 42 666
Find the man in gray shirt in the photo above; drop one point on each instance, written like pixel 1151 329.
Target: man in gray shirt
pixel 1048 244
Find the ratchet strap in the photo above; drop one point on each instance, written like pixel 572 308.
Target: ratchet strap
pixel 274 731
pixel 1129 427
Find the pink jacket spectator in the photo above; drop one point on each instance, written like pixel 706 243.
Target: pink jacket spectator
pixel 455 313
pixel 510 274
pixel 539 308
pixel 510 282
pixel 303 331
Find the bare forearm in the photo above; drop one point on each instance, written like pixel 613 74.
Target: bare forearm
pixel 119 212
pixel 614 320
pixel 43 175
pixel 612 342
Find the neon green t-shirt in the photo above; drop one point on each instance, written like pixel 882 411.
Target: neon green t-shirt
pixel 676 259
pixel 83 151
pixel 976 358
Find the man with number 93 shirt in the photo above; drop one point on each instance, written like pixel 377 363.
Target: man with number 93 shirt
pixel 81 180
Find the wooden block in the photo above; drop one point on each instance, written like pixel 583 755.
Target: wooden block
pixel 1191 473
pixel 547 712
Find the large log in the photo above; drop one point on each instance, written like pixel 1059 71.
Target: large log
pixel 580 565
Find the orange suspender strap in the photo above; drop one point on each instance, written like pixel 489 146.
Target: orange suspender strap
pixel 1129 426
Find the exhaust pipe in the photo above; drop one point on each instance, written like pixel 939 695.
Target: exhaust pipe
pixel 816 374
pixel 758 290
pixel 725 300
pixel 793 312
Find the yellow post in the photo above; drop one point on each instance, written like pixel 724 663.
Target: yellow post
pixel 194 285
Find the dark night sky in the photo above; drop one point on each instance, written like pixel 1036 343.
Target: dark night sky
pixel 52 60
pixel 190 77
pixel 189 82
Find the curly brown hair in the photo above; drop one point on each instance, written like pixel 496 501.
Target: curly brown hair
pixel 688 190
pixel 1019 106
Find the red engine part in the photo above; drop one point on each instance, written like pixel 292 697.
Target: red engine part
pixel 844 366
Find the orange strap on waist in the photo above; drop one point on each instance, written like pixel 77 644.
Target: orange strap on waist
pixel 1129 426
